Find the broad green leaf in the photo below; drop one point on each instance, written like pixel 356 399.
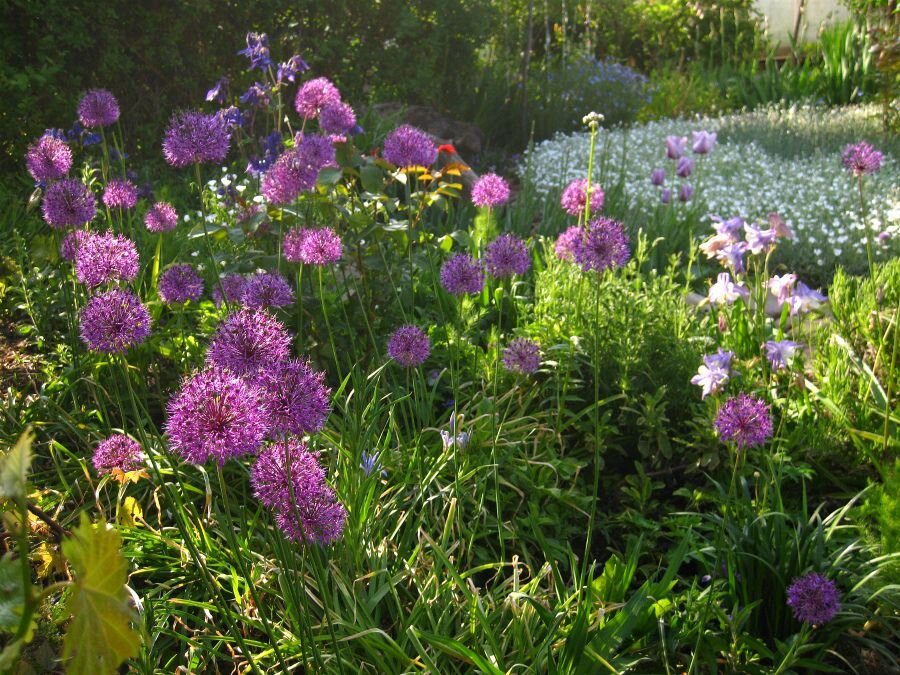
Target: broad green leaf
pixel 372 178
pixel 12 594
pixel 100 636
pixel 14 467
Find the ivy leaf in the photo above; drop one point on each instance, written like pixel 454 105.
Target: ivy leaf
pixel 100 636
pixel 14 467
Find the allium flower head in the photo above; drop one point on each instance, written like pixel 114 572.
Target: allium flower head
pixel 603 245
pixel 408 146
pixel 522 356
pixel 462 274
pixel 409 346
pixel 297 398
pixel 506 256
pixel 118 452
pixel 180 283
pixel 101 258
pixel 297 169
pixel 574 197
pixel 813 598
pixel 114 321
pixel 216 415
pixel 861 158
pixel 490 190
pixel 194 137
pixel 337 118
pixel 715 372
pixel 67 203
pixel 704 141
pixel 161 217
pixel 565 244
pixel 48 158
pixel 68 248
pixel 314 95
pixel 233 285
pixel 744 420
pixel 120 194
pixel 248 341
pixel 288 479
pixel 311 246
pixel 98 108
pixel 316 151
pixel 779 352
pixel 267 289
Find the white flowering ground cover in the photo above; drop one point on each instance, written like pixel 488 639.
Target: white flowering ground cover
pixel 782 160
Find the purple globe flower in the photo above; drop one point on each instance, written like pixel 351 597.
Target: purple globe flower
pixel 861 158
pixel 267 289
pixel 409 346
pixel 233 285
pixel 292 244
pixel 70 244
pixel 48 158
pixel 574 197
pixel 744 420
pixel 408 146
pixel 98 108
pixel 337 118
pixel 522 356
pixel 314 95
pixel 180 283
pixel 297 398
pixel 194 137
pixel 118 452
pixel 297 169
pixel 316 151
pixel 813 598
pixel 161 217
pixel 462 274
pixel 216 415
pixel 506 256
pixel 288 479
pixel 248 341
pixel 604 245
pixel 565 244
pixel 114 321
pixel 106 257
pixel 120 194
pixel 320 247
pixel 490 190
pixel 69 203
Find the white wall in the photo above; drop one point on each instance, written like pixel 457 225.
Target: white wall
pixel 781 15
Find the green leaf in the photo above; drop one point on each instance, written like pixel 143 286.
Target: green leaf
pixel 100 636
pixel 330 176
pixel 372 178
pixel 12 594
pixel 14 467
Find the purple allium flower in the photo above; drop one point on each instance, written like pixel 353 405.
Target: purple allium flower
pixel 98 108
pixel 180 283
pixel 120 194
pixel 779 352
pixel 462 274
pixel 759 241
pixel 161 217
pixel 219 92
pixel 703 142
pixel 675 146
pixel 813 598
pixel 68 202
pixel 258 51
pixel 506 256
pixel 409 346
pixel 288 479
pixel 248 341
pixel 194 137
pixel 408 146
pixel 685 167
pixel 316 151
pixel 292 244
pixel 216 415
pixel 291 68
pixel 114 321
pixel 574 197
pixel 118 452
pixel 68 248
pixel 567 241
pixel 287 178
pixel 657 177
pixel 725 291
pixel 665 196
pixel 861 158
pixel 490 190
pixel 297 397
pixel 48 158
pixel 604 245
pixel 321 246
pixel 744 420
pixel 685 192
pixel 101 258
pixel 314 95
pixel 522 356
pixel 715 372
pixel 782 287
pixel 258 95
pixel 804 299
pixel 267 289
pixel 233 286
pixel 337 118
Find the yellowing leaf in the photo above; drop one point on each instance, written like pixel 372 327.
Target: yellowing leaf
pixel 50 561
pixel 129 512
pixel 100 636
pixel 126 477
pixel 14 467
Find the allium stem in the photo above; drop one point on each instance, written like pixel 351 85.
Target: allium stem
pixel 209 252
pixel 337 362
